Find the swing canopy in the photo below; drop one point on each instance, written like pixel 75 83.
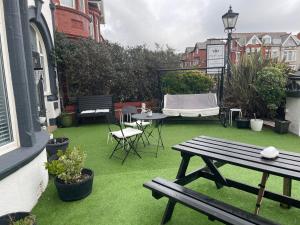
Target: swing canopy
pixel 191 105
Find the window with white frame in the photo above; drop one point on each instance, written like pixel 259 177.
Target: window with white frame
pixel 238 56
pixel 68 3
pixel 37 45
pixel 8 123
pixel 82 5
pixel 275 54
pixel 266 39
pixel 92 33
pixel 289 55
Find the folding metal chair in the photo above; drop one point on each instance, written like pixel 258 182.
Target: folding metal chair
pixel 126 119
pixel 126 138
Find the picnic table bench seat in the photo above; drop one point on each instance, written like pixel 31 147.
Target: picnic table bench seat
pixel 214 209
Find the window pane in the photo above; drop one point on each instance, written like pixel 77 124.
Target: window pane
pixel 81 5
pixel 69 3
pixel 5 125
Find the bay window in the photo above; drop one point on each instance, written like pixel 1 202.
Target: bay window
pixel 289 55
pixel 8 123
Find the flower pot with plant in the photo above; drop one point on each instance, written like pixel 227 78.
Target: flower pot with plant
pixel 256 124
pixel 271 87
pixel 55 144
pixel 72 181
pixel 242 123
pixel 67 119
pixel 18 218
pixel 282 126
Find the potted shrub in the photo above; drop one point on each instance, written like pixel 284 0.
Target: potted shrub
pixel 55 144
pixel 67 119
pixel 282 126
pixel 72 181
pixel 19 218
pixel 271 87
pixel 242 123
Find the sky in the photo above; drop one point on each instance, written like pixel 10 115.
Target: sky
pixel 182 23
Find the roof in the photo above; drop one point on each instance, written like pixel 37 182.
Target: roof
pixel 189 49
pixel 277 38
pixel 202 45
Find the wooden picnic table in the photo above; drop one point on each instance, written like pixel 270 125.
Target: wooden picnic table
pixel 217 152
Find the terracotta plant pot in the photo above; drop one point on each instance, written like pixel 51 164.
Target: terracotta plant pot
pixel 256 124
pixel 76 191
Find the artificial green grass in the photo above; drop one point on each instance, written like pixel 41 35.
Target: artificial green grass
pixel 118 197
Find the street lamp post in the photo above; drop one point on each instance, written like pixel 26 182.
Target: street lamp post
pixel 229 21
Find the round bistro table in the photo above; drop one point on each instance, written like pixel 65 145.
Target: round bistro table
pixel 158 118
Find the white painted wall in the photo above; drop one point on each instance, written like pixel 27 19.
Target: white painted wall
pixel 46 11
pixel 292 114
pixel 21 190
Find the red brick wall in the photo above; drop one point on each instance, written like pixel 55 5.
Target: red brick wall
pixel 72 22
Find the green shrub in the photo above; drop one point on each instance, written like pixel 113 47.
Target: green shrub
pixel 130 74
pixel 270 86
pixel 28 220
pixel 68 166
pixel 240 91
pixel 186 82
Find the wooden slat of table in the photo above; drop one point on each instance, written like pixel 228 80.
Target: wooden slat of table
pixel 294 155
pixel 283 157
pixel 239 162
pixel 251 156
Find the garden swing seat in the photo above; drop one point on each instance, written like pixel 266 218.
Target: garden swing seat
pixel 191 105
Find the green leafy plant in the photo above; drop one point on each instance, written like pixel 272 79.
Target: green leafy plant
pixel 270 86
pixel 186 82
pixel 28 220
pixel 68 166
pixel 130 74
pixel 240 91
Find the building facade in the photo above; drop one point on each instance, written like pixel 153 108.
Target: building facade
pixel 281 46
pixel 80 18
pixel 196 57
pixel 28 91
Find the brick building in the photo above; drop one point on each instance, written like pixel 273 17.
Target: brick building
pixel 196 56
pixel 277 45
pixel 80 18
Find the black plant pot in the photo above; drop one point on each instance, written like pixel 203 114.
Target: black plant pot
pixel 73 192
pixel 282 126
pixel 242 123
pixel 6 219
pixel 56 144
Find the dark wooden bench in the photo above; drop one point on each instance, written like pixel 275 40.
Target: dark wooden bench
pixel 214 209
pixel 94 106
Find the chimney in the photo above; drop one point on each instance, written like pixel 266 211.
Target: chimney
pixel 298 35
